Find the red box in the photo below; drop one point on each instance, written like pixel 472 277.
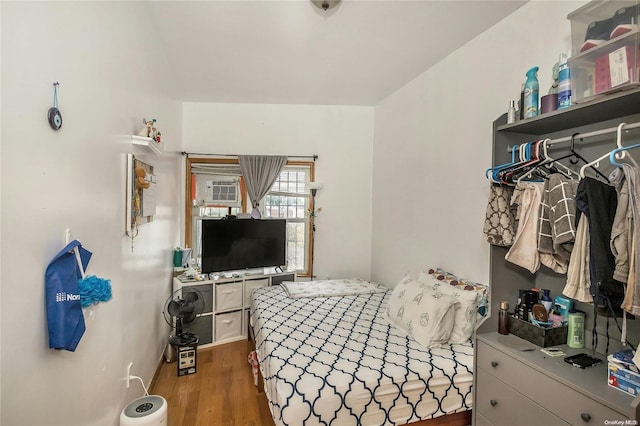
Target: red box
pixel 603 69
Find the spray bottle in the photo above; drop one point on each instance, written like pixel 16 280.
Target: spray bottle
pixel 531 93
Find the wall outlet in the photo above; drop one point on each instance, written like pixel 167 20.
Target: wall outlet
pixel 129 374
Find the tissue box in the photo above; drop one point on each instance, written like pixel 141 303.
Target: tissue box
pixel 539 336
pixel 622 379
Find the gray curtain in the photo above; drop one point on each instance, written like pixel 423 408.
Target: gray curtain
pixel 260 172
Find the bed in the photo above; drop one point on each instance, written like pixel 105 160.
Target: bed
pixel 336 360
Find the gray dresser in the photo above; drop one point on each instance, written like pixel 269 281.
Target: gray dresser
pixel 514 386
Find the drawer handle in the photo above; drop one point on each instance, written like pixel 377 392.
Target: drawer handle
pixel 228 291
pixel 227 321
pixel 494 364
pixel 493 402
pixel 585 417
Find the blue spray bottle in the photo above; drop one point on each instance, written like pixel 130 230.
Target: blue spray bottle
pixel 531 93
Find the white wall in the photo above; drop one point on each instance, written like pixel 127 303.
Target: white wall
pixel 112 73
pixel 433 144
pixel 341 136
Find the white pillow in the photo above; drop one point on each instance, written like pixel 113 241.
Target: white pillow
pixel 465 310
pixel 421 312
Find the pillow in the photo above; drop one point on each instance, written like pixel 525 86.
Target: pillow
pixel 421 312
pixel 481 289
pixel 465 311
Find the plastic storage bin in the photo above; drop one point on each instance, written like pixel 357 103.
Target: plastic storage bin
pixel 605 48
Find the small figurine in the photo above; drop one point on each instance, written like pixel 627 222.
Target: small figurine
pixel 148 129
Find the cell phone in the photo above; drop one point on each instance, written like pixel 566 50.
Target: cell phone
pixel 582 360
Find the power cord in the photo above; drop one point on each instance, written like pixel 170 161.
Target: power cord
pixel 146 392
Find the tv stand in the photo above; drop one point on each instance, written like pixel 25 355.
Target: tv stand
pixel 228 301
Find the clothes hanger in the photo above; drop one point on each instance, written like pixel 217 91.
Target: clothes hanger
pixel 491 176
pixel 549 161
pixel 619 134
pixel 499 175
pixel 507 175
pixel 593 164
pixel 619 153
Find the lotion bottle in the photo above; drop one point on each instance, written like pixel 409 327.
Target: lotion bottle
pixel 531 93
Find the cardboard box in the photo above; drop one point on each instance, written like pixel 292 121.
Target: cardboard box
pixel 539 336
pixel 622 379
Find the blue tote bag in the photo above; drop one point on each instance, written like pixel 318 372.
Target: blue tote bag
pixel 64 310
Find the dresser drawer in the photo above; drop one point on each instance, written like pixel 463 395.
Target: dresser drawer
pixel 251 285
pixel 481 421
pixel 563 401
pixel 228 296
pixel 499 404
pixel 228 325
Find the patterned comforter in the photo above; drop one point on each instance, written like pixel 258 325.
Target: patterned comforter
pixel 337 361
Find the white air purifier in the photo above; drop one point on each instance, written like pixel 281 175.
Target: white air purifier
pixel 149 410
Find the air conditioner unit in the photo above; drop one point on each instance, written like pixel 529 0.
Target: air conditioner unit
pixel 223 192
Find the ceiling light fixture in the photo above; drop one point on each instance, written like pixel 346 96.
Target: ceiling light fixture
pixel 325 4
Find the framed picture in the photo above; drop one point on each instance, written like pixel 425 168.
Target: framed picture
pixel 141 194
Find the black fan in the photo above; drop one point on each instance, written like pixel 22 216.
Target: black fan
pixel 181 309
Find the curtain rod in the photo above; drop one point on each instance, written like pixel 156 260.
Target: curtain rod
pixel 587 135
pixel 314 156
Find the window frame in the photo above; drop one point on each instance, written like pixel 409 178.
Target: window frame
pixel 188 205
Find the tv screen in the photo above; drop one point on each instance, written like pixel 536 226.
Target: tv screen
pixel 234 244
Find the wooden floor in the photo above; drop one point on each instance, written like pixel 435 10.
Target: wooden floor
pixel 220 393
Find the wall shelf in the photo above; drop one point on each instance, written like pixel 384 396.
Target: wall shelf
pixel 606 107
pixel 148 142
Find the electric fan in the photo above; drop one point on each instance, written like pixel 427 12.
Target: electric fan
pixel 183 308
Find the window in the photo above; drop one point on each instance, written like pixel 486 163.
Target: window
pixel 289 199
pixel 212 189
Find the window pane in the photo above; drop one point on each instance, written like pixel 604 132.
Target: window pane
pixel 296 252
pixel 288 200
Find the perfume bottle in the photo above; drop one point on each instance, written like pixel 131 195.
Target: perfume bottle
pixel 503 318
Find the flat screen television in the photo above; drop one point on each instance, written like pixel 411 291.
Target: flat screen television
pixel 236 244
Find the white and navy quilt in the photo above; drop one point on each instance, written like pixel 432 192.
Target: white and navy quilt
pixel 337 361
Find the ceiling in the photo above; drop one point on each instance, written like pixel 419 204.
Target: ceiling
pixel 291 52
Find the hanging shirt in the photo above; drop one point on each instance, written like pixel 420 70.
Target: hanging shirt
pixel 578 280
pixel 557 230
pixel 632 175
pixel 622 227
pixel 524 251
pixel 598 202
pixel 499 222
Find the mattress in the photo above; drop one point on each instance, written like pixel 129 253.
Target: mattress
pixel 337 361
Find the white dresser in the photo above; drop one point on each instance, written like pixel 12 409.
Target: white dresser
pixel 227 303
